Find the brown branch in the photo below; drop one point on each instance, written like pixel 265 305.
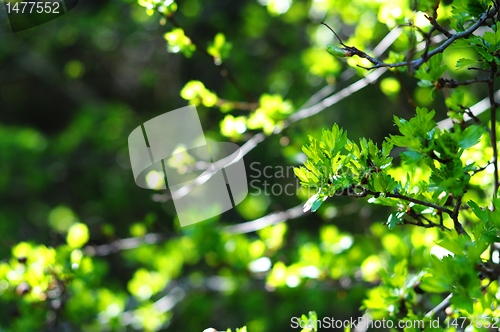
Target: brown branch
pixel 363 192
pixel 270 219
pixel 240 105
pixel 480 169
pixel 450 83
pixel 418 217
pixel 359 192
pixel 419 223
pixel 438 27
pixel 478 69
pixel 340 40
pixel 475 118
pixel 124 244
pixel 493 116
pixel 434 156
pixel 415 64
pixel 420 202
pixel 454 216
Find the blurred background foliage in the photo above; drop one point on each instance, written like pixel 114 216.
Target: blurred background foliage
pixel 84 249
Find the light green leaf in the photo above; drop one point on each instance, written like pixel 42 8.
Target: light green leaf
pixel 462 302
pixel 78 235
pixel 394 219
pixel 411 157
pixel 470 136
pixel 463 62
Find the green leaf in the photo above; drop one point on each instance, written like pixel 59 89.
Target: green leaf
pixel 463 62
pixel 382 182
pixel 411 157
pixel 492 40
pixel 383 201
pixel 334 141
pixel 313 318
pixel 432 284
pixel 451 243
pixel 219 48
pixel 427 5
pixel 313 203
pixel 317 203
pixel 402 141
pixel 480 213
pixel 462 302
pixel 394 219
pixel 425 84
pixel 484 53
pixel 470 136
pixel 178 42
pixel 196 93
pixel 78 235
pixel 432 70
pixel 416 131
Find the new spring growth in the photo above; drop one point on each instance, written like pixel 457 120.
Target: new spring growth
pixel 337 51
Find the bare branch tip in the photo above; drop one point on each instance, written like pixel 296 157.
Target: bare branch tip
pixel 340 40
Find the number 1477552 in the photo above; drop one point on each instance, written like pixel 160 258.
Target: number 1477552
pixel 31 7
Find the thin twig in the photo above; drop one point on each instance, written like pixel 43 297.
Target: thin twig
pixel 475 118
pixel 239 105
pixel 270 219
pixel 415 64
pixel 454 216
pixel 360 192
pixel 476 109
pixel 124 244
pixel 340 40
pixel 450 83
pixel 493 119
pixel 480 169
pixel 440 307
pixel 419 223
pixel 438 27
pixel 420 202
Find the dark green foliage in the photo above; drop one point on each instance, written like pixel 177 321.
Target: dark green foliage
pixel 406 209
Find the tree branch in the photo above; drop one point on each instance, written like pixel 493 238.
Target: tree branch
pixel 440 307
pixel 124 244
pixel 450 83
pixel 415 64
pixel 454 216
pixel 420 202
pixel 429 224
pixel 270 219
pixel 493 117
pixel 438 27
pixel 240 105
